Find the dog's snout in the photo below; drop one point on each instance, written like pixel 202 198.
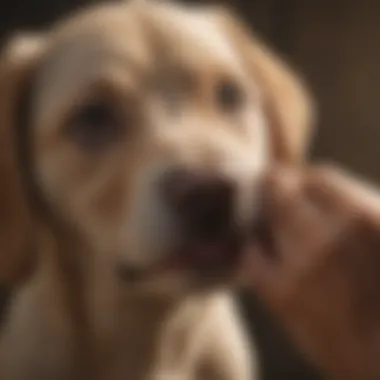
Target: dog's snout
pixel 202 202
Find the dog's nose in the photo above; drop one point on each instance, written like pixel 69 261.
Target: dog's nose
pixel 202 202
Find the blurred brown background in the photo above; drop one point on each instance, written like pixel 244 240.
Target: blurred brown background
pixel 336 45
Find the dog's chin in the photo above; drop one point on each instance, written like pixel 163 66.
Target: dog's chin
pixel 196 264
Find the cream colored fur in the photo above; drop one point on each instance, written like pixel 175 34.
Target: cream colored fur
pixel 71 317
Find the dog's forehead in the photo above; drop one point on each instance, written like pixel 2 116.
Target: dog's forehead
pixel 122 42
pixel 195 34
pixel 187 34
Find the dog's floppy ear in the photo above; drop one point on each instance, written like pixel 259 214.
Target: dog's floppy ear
pixel 288 105
pixel 17 62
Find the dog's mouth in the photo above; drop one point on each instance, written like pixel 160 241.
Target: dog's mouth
pixel 210 259
pixel 214 254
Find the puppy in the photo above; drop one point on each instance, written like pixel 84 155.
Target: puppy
pixel 134 136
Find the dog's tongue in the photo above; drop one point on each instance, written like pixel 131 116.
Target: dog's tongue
pixel 213 253
pixel 210 254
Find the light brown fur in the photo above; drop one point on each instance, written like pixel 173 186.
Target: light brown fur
pixel 71 316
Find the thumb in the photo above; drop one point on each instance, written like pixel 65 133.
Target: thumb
pixel 261 272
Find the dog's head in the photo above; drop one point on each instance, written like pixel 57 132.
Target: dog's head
pixel 144 128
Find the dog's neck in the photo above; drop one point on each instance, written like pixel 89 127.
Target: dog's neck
pixel 112 326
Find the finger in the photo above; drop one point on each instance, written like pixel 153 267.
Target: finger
pixel 302 243
pixel 263 274
pixel 316 235
pixel 301 227
pixel 289 217
pixel 341 190
pixel 282 189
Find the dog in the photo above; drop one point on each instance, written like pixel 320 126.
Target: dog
pixel 134 137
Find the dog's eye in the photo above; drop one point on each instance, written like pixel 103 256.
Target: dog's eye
pixel 228 96
pixel 95 125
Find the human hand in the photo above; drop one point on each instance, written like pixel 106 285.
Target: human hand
pixel 316 264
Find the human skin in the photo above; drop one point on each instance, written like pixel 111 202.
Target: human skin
pixel 316 265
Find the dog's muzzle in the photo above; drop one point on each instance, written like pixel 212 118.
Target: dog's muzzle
pixel 204 205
